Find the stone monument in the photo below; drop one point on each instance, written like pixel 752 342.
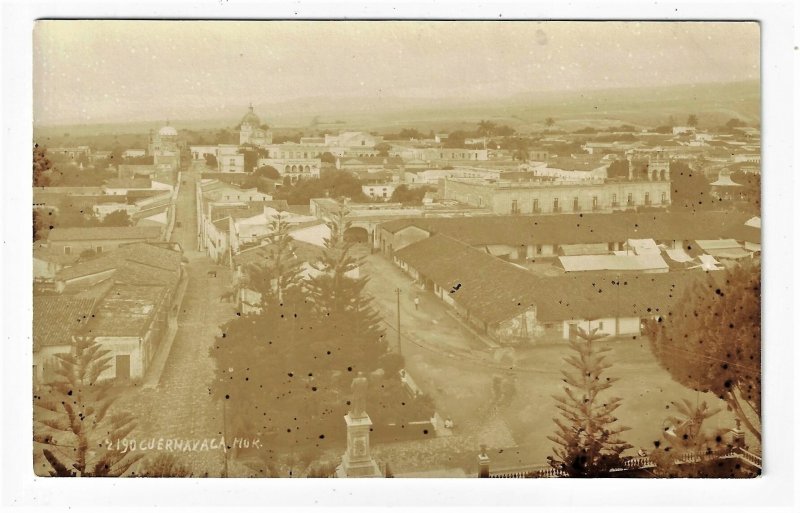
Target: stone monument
pixel 357 461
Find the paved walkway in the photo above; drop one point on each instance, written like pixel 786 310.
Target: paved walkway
pixel 181 406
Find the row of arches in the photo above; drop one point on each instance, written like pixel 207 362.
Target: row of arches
pixel 297 169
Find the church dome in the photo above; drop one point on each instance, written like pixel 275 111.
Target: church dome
pixel 167 131
pixel 251 118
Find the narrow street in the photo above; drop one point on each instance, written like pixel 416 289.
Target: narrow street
pixel 181 406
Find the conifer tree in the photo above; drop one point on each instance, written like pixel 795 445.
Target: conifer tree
pixel 349 327
pixel 280 273
pixel 686 439
pixel 587 439
pixel 73 422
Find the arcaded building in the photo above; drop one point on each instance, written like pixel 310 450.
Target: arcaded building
pixel 535 197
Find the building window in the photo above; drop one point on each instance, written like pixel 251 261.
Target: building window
pixel 233 162
pixel 600 326
pixel 575 205
pixel 99 249
pixel 67 250
pixel 536 205
pixel 594 203
pixel 555 204
pixel 646 198
pixel 514 207
pixel 614 200
pixel 630 198
pixel 663 197
pixel 538 249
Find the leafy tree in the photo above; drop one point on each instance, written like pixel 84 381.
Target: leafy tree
pixel 73 422
pixel 331 183
pixel 549 122
pixel 691 120
pixel 211 160
pixel 486 128
pixel 618 168
pixel 225 136
pixel 268 172
pixel 504 131
pixel 734 122
pixel 751 189
pixel 383 149
pixel 690 189
pixel 40 229
pixel 408 196
pixel 117 218
pixel 250 158
pixel 685 436
pixel 41 166
pixel 456 139
pixel 587 441
pixel 712 341
pixel 327 158
pixel 410 133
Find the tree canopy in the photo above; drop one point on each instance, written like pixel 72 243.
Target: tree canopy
pixel 409 196
pixel 41 166
pixel 712 341
pixel 690 189
pixel 331 183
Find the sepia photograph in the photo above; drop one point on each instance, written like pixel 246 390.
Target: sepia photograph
pixel 396 249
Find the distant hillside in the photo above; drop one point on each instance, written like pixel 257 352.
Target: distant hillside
pixel 713 104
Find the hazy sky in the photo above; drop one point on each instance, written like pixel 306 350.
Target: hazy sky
pixel 101 71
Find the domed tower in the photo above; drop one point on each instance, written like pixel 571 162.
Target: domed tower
pixel 251 131
pixel 163 146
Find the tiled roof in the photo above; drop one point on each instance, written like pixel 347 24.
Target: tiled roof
pixel 128 183
pixel 57 318
pixel 138 263
pixel 745 233
pixel 302 252
pixel 572 164
pixel 576 228
pixel 494 290
pixel 105 233
pixel 126 311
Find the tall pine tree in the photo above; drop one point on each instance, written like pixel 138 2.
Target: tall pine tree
pixel 587 439
pixel 349 327
pixel 73 423
pixel 264 375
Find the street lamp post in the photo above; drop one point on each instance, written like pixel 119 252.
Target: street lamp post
pixel 399 338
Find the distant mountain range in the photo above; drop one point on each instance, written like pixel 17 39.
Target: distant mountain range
pixel 712 103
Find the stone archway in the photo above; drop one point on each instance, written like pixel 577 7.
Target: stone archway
pixel 356 234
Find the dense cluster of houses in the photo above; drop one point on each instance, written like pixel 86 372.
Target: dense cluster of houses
pixel 524 246
pixel 127 299
pixel 539 278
